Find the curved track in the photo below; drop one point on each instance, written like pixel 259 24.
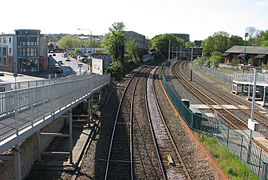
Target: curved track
pixel 213 97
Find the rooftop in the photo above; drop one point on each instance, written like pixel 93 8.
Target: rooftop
pixel 249 50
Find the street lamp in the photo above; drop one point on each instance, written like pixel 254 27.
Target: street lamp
pixel 90 37
pixel 191 74
pixel 246 35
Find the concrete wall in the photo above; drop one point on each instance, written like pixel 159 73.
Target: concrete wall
pixel 29 151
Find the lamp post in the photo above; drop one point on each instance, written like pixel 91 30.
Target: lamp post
pixel 191 74
pixel 90 38
pixel 246 35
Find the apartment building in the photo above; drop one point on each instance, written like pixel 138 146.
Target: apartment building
pixel 6 52
pixel 23 52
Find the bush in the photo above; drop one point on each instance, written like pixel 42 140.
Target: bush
pixel 216 58
pixel 250 61
pixel 234 62
pixel 116 71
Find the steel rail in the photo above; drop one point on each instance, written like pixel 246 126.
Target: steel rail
pixel 220 114
pixel 226 98
pixel 171 137
pixel 153 135
pixel 201 99
pixel 115 124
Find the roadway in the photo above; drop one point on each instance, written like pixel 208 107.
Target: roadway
pixel 69 67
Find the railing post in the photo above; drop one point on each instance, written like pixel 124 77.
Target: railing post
pixel 71 135
pixel 38 146
pixel 228 136
pixel 17 162
pixel 241 148
pixel 260 163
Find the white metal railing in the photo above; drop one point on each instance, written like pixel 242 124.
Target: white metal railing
pixel 246 77
pixel 23 107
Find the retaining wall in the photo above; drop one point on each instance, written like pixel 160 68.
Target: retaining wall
pixel 28 150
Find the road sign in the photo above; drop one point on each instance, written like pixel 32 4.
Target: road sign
pixel 15 75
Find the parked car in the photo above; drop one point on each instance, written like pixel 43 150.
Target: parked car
pixel 2 73
pixel 60 62
pixel 54 54
pixel 67 59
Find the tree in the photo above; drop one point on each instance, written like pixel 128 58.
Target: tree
pixel 161 43
pixel 235 41
pixel 69 42
pixel 216 58
pixel 114 41
pixel 219 41
pixel 132 51
pixel 77 51
pixel 189 44
pixel 264 43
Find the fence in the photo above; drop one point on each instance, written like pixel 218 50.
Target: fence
pixel 246 77
pixel 22 108
pixel 225 77
pixel 234 140
pixel 29 84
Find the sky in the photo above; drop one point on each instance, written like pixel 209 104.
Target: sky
pixel 199 18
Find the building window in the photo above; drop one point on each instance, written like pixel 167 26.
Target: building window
pixel 4 61
pixel 4 51
pixel 10 40
pixel 10 60
pixel 4 40
pixel 0 40
pixel 10 50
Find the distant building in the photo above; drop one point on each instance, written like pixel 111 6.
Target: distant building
pixel 185 37
pixel 24 51
pixel 259 55
pixel 140 39
pixel 198 43
pixel 7 47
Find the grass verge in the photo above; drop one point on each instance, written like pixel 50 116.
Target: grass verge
pixel 228 161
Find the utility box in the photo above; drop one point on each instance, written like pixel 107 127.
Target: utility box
pixel 197 118
pixel 253 125
pixel 186 102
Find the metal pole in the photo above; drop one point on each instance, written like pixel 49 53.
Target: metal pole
pixel 71 135
pixel 38 146
pixel 177 53
pixel 17 163
pixel 191 75
pixel 168 49
pixel 252 114
pixel 264 93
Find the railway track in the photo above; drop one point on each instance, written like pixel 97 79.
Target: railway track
pixel 261 118
pixel 173 164
pixel 233 118
pixel 140 147
pixel 130 155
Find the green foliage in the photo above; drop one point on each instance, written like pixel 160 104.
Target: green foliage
pixel 216 58
pixel 92 42
pixel 132 51
pixel 77 51
pixel 161 43
pixel 264 43
pixel 250 61
pixel 189 44
pixel 113 42
pixel 217 42
pixel 228 161
pixel 72 53
pixel 116 71
pixel 235 41
pixel 234 61
pixel 69 42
